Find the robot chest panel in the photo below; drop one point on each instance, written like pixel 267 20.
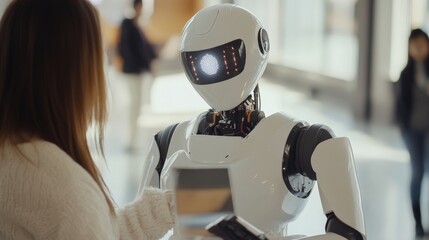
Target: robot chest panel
pixel 254 175
pixel 235 150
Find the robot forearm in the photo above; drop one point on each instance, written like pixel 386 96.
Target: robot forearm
pixel 333 163
pixel 327 236
pixel 150 177
pixel 156 157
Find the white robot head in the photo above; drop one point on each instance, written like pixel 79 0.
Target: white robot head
pixel 224 52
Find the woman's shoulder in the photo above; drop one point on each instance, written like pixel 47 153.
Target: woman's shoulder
pixel 40 185
pixel 127 22
pixel 39 153
pixel 407 72
pixel 43 160
pixel 38 150
pixel 43 165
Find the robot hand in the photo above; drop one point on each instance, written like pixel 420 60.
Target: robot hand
pixel 235 228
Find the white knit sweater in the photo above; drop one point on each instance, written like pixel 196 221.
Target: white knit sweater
pixel 44 194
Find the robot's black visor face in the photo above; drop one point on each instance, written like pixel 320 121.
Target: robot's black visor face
pixel 215 64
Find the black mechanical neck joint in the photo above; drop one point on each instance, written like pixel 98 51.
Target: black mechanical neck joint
pixel 239 121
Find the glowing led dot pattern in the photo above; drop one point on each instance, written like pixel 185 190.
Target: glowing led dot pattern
pixel 217 64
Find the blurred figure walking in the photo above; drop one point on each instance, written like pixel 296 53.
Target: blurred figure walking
pixel 412 109
pixel 137 54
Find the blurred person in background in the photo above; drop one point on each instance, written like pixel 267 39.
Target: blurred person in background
pixel 137 55
pixel 52 89
pixel 412 109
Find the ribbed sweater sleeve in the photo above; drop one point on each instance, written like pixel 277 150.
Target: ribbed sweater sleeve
pixel 45 195
pixel 149 217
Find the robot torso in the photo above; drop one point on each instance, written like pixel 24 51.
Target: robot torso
pixel 254 165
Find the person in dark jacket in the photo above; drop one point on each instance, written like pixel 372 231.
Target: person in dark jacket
pixel 137 54
pixel 412 112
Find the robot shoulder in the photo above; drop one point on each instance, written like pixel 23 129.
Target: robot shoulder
pixel 275 126
pixel 308 138
pixel 174 138
pixel 280 118
pixel 298 172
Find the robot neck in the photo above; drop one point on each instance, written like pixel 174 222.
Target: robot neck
pixel 239 121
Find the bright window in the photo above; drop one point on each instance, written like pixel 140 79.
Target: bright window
pixel 311 35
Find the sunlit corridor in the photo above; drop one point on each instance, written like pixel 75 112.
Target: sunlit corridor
pixel 381 160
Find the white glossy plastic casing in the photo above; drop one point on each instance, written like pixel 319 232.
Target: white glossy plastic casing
pixel 217 25
pixel 254 163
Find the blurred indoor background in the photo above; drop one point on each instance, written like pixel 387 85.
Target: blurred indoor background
pixel 333 62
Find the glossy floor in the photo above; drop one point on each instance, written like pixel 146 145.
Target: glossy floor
pixel 381 160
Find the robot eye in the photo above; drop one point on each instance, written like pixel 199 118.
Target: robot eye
pixel 209 64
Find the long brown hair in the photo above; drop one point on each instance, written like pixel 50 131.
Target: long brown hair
pixel 52 83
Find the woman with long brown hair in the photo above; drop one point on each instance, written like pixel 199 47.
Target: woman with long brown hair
pixel 52 89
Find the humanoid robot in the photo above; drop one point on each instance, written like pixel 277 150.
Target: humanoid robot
pixel 262 168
